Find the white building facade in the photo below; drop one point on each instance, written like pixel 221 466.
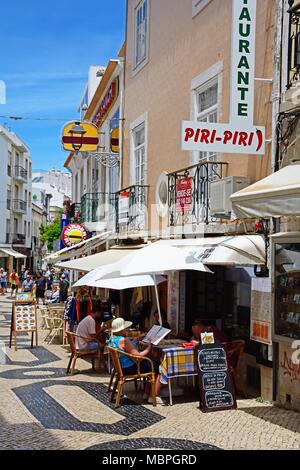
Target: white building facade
pixel 15 202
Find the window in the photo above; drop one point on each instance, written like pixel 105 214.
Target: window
pixel 206 110
pixel 29 227
pixel 25 228
pixel 139 155
pixel 29 200
pixel 141 33
pixel 287 298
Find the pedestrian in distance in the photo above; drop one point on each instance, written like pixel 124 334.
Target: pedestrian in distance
pixel 14 283
pixel 63 288
pixel 3 281
pixel 28 284
pixel 40 287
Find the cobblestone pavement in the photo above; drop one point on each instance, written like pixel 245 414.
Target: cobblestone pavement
pixel 43 408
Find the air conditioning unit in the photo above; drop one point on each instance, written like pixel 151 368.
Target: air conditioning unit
pixel 221 190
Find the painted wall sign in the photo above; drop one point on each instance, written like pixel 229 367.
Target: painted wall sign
pixel 73 234
pixel 106 103
pixel 240 136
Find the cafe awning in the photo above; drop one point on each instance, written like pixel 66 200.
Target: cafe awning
pixel 78 249
pixel 275 196
pixel 240 250
pixel 88 263
pixel 11 252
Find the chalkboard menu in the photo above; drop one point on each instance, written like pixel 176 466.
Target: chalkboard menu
pixel 215 382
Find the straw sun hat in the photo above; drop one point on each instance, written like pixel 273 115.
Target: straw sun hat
pixel 119 324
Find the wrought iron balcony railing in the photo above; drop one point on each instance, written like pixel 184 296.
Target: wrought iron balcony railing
pixel 20 173
pixel 131 210
pixel 98 207
pixel 15 238
pixel 189 192
pixel 19 205
pixel 293 66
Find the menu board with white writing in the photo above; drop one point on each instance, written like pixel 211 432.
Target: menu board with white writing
pixel 216 386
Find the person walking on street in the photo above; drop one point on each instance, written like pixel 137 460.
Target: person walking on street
pixel 28 284
pixel 40 287
pixel 63 288
pixel 14 283
pixel 3 281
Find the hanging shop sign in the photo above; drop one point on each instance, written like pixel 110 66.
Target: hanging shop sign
pixel 107 103
pixel 215 381
pixel 240 135
pixel 261 310
pixel 114 140
pixel 184 195
pixel 73 234
pixel 80 136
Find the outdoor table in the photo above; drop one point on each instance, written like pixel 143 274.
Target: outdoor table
pixel 177 362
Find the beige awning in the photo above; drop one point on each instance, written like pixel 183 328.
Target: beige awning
pixel 239 250
pixel 275 196
pixel 79 248
pixel 11 252
pixel 88 263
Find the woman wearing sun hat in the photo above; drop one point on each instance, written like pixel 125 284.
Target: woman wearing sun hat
pixel 119 341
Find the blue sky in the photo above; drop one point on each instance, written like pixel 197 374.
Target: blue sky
pixel 45 51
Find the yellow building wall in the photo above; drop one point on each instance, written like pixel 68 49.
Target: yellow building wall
pixel 182 47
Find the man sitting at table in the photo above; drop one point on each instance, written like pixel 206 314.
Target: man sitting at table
pixel 119 340
pixel 200 326
pixel 87 329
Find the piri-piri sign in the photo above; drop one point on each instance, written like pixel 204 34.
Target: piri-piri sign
pixel 216 386
pixel 23 320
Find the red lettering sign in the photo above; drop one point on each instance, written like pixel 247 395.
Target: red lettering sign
pixel 106 103
pixel 184 195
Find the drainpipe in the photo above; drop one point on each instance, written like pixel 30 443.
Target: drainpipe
pixel 277 89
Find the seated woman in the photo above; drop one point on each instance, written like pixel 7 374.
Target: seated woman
pixel 200 326
pixel 119 341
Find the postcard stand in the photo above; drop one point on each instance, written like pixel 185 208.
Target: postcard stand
pixel 23 320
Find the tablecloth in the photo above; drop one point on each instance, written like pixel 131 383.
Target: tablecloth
pixel 178 362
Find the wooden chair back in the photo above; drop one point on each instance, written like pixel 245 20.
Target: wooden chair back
pixel 71 340
pixel 114 354
pixel 235 351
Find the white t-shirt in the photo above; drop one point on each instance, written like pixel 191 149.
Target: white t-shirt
pixel 86 328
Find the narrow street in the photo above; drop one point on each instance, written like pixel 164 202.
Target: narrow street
pixel 43 408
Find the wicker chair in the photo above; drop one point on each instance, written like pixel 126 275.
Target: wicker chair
pixel 75 354
pixel 235 351
pixel 121 378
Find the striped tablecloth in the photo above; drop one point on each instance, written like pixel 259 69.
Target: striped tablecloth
pixel 177 362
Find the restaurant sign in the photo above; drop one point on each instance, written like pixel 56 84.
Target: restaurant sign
pixel 106 103
pixel 240 135
pixel 73 234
